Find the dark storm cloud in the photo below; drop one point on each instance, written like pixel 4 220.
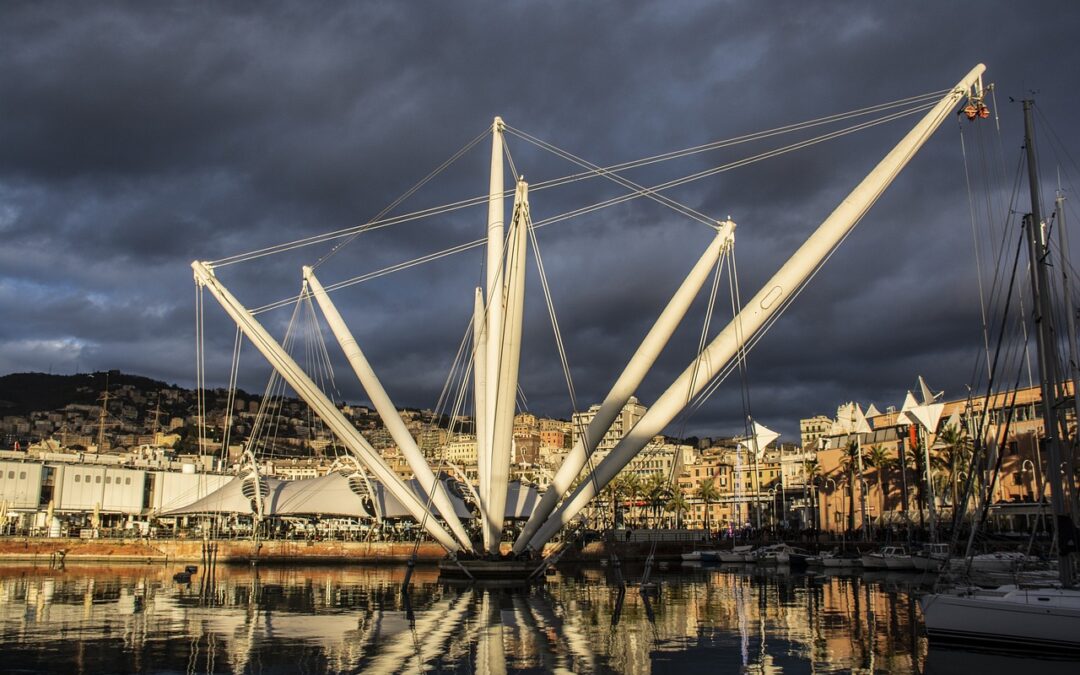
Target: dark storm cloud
pixel 135 137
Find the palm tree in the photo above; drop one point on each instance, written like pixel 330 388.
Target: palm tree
pixel 850 465
pixel 676 503
pixel 708 493
pixel 877 457
pixel 657 492
pixel 632 481
pixel 955 452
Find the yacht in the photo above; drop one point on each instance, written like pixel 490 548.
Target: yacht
pixel 1017 617
pixel 931 558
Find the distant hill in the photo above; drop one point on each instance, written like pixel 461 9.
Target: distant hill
pixel 21 393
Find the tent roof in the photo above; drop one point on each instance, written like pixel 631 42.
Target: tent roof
pixel 229 498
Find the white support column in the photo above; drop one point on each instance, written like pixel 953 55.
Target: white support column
pixel 386 409
pixel 495 293
pixel 507 383
pixel 630 379
pixel 480 386
pixel 770 299
pixel 323 407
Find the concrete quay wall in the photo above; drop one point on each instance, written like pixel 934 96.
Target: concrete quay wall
pixel 50 550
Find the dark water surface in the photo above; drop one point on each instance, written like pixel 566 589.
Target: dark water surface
pixel 354 619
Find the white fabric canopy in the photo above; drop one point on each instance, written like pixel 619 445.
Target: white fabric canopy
pixel 328 495
pixel 390 507
pixel 230 498
pixel 331 495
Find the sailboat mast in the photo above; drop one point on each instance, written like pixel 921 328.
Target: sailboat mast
pixel 1046 345
pixel 1074 358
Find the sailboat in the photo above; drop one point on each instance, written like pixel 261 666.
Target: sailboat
pixel 1015 615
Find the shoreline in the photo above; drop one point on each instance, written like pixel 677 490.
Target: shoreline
pixel 53 551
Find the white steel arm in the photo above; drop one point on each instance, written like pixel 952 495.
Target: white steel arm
pixel 480 386
pixel 323 407
pixel 636 370
pixel 770 299
pixel 386 409
pixel 507 382
pixel 495 300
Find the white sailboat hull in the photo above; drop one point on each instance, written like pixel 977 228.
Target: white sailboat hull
pixel 1037 618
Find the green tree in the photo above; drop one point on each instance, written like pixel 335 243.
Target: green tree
pixel 676 504
pixel 657 492
pixel 708 493
pixel 878 458
pixel 953 454
pixel 850 466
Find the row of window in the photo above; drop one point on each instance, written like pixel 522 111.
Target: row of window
pixel 108 479
pixel 11 475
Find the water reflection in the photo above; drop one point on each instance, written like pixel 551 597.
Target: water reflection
pixel 317 619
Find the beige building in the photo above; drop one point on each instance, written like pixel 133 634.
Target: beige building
pixel 624 422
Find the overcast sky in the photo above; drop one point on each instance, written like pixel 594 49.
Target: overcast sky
pixel 137 137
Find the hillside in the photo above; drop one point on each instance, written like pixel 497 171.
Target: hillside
pixel 21 393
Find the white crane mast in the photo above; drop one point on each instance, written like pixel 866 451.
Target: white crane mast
pixel 495 300
pixel 323 407
pixel 507 383
pixel 386 409
pixel 768 301
pixel 630 379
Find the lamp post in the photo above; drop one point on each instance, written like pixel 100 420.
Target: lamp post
pixel 866 524
pixel 772 502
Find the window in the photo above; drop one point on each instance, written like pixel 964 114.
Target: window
pixel 76 478
pixel 127 481
pixel 97 479
pixel 22 475
pixel 87 478
pixel 108 480
pixel 10 474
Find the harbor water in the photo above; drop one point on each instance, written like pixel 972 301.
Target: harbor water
pixel 738 619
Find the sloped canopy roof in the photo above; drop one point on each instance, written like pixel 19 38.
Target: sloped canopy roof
pixel 390 507
pixel 230 498
pixel 326 495
pixel 329 495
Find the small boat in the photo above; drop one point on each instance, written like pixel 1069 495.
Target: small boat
pixel 737 554
pixel 931 558
pixel 898 559
pixel 780 554
pixel 844 559
pixel 878 559
pixel 797 558
pixel 841 559
pixel 767 555
pixel 705 555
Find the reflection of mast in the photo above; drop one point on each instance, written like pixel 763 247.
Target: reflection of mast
pixel 491 651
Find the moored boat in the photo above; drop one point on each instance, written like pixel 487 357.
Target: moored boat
pixel 737 554
pixel 841 559
pixel 931 558
pixel 1007 616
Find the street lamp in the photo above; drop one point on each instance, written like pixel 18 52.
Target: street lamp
pixel 772 502
pixel 1024 469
